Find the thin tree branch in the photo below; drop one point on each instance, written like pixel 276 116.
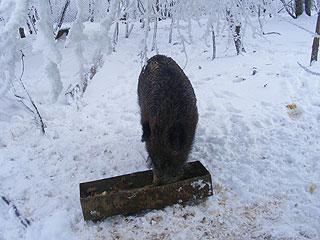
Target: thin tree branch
pixel 308 70
pixel 79 90
pixel 301 27
pixel 29 97
pixel 287 6
pixel 24 221
pixel 183 40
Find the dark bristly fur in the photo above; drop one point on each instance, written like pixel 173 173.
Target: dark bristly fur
pixel 168 117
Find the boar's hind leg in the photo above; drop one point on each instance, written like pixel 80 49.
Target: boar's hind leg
pixel 145 132
pixel 177 136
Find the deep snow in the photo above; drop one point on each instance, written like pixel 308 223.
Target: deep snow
pixel 263 159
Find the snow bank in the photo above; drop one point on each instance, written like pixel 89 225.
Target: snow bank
pixel 56 226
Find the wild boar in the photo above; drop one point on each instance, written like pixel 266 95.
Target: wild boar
pixel 169 117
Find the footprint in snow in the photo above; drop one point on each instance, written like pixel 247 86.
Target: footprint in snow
pixel 239 80
pixel 232 109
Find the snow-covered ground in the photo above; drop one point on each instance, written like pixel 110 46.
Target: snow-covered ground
pixel 263 156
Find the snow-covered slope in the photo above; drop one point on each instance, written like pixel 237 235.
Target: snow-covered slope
pixel 263 157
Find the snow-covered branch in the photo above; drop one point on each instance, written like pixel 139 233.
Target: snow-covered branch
pixel 46 44
pixel 11 47
pixel 102 49
pixel 9 41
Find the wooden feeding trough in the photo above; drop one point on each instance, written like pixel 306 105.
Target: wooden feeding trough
pixel 132 193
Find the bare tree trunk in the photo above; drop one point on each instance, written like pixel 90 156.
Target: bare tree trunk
pixel 91 11
pixel 21 32
pixel 63 14
pixel 126 16
pixel 144 51
pixel 117 27
pixel 259 19
pixel 237 40
pixel 115 36
pixel 128 26
pixel 307 7
pixel 154 39
pixel 235 29
pixel 51 8
pixel 29 27
pixel 290 10
pixel 171 29
pixel 298 7
pixel 315 44
pixel 32 19
pixel 213 44
pixel 127 29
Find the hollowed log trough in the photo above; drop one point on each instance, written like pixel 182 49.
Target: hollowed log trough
pixel 133 193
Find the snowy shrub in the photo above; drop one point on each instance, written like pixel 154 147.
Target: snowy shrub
pixel 43 19
pixel 9 41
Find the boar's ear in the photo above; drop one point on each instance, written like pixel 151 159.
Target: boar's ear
pixel 145 132
pixel 177 136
